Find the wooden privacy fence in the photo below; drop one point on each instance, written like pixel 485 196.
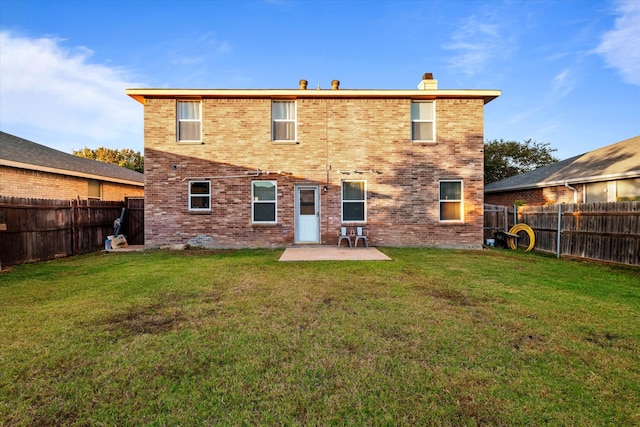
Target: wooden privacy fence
pixel 39 229
pixel 608 232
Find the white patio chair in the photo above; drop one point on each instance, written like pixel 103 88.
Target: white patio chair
pixel 361 236
pixel 344 235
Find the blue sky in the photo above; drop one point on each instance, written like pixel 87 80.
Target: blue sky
pixel 569 70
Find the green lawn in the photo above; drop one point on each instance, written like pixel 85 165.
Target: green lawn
pixel 434 337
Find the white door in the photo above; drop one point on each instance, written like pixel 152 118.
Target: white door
pixel 307 212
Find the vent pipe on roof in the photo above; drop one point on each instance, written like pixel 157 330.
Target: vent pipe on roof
pixel 335 84
pixel 303 84
pixel 428 82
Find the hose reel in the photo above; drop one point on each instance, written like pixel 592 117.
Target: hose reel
pixel 511 241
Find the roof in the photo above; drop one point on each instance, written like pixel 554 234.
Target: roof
pixel 21 153
pixel 487 95
pixel 616 161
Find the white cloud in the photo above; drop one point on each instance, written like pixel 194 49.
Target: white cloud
pixel 562 83
pixel 620 46
pixel 476 42
pixel 48 89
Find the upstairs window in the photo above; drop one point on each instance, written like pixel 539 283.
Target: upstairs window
pixel 264 204
pixel 423 121
pixel 354 199
pixel 199 195
pixel 283 120
pixel 189 121
pixel 451 200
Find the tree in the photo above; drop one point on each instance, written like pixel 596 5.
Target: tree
pixel 126 157
pixel 503 159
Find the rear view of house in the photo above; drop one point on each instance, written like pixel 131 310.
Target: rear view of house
pixel 270 168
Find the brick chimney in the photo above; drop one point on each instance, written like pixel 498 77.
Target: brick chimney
pixel 428 82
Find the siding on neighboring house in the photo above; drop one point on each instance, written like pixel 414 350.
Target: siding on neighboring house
pixel 537 196
pixel 16 182
pixel 341 136
pixel 607 174
pixel 32 170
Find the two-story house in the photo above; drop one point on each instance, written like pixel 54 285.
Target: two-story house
pixel 271 168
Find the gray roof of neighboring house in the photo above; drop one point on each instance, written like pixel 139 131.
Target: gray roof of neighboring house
pixel 615 161
pixel 25 154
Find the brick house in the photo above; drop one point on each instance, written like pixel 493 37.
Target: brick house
pixel 271 168
pixel 31 170
pixel 608 174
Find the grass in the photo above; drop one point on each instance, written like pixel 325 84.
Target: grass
pixel 434 337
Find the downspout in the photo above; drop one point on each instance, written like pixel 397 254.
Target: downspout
pixel 575 192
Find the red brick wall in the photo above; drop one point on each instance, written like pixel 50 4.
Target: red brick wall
pixel 333 135
pixel 16 182
pixel 537 196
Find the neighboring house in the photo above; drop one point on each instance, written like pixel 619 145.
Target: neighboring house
pixel 32 170
pixel 270 168
pixel 608 174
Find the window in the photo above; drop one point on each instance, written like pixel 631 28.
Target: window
pixel 623 190
pixel 199 195
pixel 423 123
pixel 628 190
pixel 189 121
pixel 597 192
pixel 264 202
pixel 353 201
pixel 283 116
pixel 95 189
pixel 450 200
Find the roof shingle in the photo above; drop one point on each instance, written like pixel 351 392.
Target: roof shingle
pixel 35 156
pixel 615 161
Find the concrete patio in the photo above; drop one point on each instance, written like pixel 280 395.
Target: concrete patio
pixel 332 253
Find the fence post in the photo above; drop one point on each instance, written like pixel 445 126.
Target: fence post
pixel 559 250
pixel 505 219
pixel 515 214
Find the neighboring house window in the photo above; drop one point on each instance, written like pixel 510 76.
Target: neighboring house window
pixel 283 120
pixel 199 195
pixel 189 121
pixel 628 190
pixel 450 200
pixel 623 190
pixel 264 204
pixel 597 192
pixel 423 121
pixel 95 189
pixel 354 198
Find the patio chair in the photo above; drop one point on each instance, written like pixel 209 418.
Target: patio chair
pixel 361 236
pixel 344 235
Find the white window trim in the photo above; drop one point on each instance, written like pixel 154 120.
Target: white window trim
pixel 208 209
pixel 461 201
pixel 342 202
pixel 433 106
pixel 253 203
pixel 294 120
pixel 178 120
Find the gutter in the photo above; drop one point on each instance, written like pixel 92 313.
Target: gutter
pixel 66 172
pixel 575 192
pixel 575 180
